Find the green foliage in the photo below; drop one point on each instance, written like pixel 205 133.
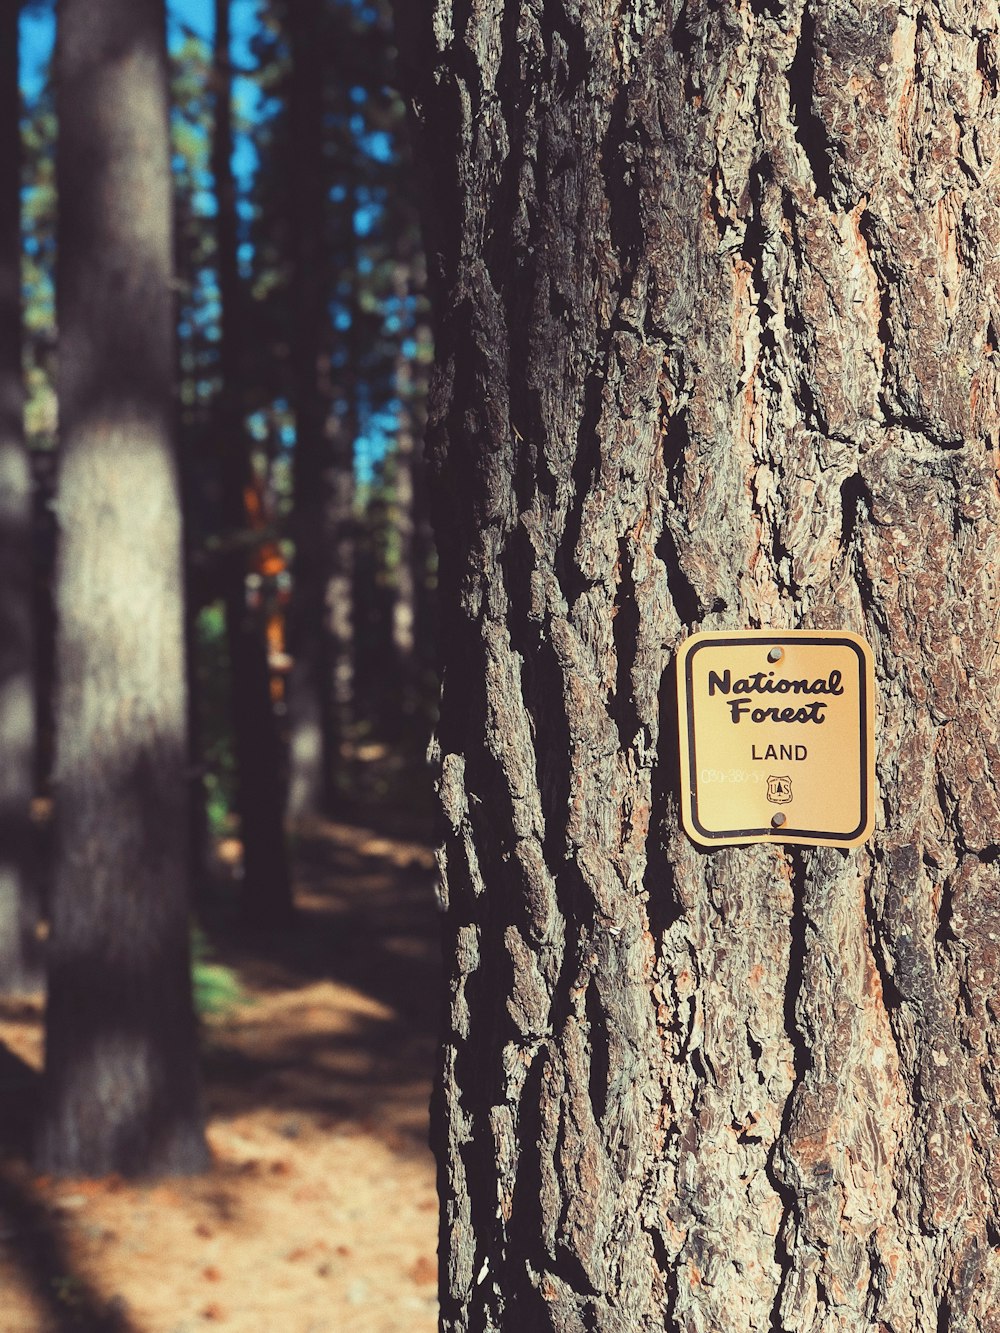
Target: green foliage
pixel 217 988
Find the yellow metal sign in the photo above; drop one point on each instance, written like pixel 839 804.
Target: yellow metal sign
pixel 777 737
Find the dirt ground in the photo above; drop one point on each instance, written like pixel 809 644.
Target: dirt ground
pixel 319 1213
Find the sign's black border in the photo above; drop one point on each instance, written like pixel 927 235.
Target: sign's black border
pixel 799 640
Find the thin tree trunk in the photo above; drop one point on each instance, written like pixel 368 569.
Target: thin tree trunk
pixel 717 340
pixel 199 845
pixel 411 611
pixel 19 907
pixel 322 689
pixel 403 684
pixel 404 589
pixel 121 1088
pixel 341 618
pixel 267 893
pixel 340 609
pixel 312 737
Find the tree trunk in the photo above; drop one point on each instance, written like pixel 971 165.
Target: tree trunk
pixel 19 907
pixel 406 688
pixel 267 892
pixel 340 612
pixel 313 742
pixel 717 347
pixel 404 584
pixel 190 447
pixel 121 1087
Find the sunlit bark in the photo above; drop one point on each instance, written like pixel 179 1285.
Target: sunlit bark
pixel 716 298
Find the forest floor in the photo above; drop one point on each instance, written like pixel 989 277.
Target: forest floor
pixel 319 1212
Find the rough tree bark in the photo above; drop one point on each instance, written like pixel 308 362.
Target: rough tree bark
pixel 717 339
pixel 121 1090
pixel 19 906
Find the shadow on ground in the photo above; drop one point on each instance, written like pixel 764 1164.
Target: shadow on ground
pixel 344 1013
pixel 31 1234
pixel 317 1080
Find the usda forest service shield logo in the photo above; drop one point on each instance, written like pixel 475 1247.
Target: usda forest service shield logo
pixel 779 790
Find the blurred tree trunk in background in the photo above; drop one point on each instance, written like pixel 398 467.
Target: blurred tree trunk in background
pixel 19 906
pixel 406 575
pixel 341 611
pixel 411 605
pixel 266 890
pixel 38 354
pixel 313 741
pixel 718 345
pixel 328 231
pixel 121 1088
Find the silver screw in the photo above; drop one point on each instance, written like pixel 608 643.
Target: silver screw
pixel 775 655
pixel 777 820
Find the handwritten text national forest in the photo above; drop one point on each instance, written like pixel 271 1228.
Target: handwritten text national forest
pixel 761 682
